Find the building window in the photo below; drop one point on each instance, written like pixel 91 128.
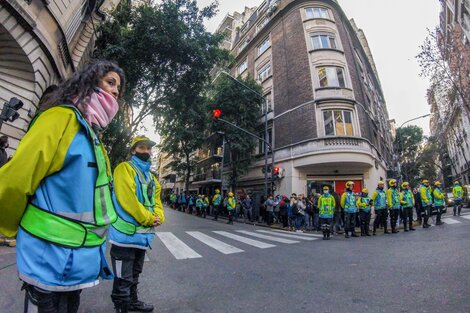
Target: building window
pixel 262 24
pixel 242 67
pixel 264 72
pixel 261 143
pixel 264 46
pixel 323 41
pixel 331 76
pixel 338 123
pixel 243 45
pixel 317 13
pixel 268 102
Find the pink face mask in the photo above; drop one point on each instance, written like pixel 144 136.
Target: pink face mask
pixel 101 108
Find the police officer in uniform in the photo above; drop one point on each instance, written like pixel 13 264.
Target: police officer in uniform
pixel 407 201
pixel 379 201
pixel 348 202
pixel 326 206
pixel 426 201
pixel 439 199
pixel 364 205
pixel 393 202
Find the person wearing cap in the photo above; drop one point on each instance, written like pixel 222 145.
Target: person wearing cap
pixel 364 205
pixel 348 203
pixel 407 201
pixel 216 202
pixel 326 206
pixel 231 206
pixel 140 211
pixel 393 202
pixel 439 203
pixel 426 201
pixel 379 201
pixel 457 192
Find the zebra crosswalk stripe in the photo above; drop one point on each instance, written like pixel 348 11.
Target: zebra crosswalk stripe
pixel 466 217
pixel 179 249
pixel 248 241
pixel 286 235
pixel 214 243
pixel 271 238
pixel 298 234
pixel 450 221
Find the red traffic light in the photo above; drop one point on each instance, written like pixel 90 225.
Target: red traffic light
pixel 216 113
pixel 276 170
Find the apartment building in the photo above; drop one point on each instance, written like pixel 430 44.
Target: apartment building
pixel 327 115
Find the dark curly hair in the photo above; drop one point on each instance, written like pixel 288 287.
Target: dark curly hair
pixel 82 84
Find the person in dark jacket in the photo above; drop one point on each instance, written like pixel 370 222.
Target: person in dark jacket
pixel 3 153
pixel 283 211
pixel 247 205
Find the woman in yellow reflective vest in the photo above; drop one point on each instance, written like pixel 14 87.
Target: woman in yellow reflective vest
pixel 57 190
pixel 140 210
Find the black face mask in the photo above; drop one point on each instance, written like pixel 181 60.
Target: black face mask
pixel 143 156
pixel 381 188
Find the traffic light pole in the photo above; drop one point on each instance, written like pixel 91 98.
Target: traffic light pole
pixel 265 152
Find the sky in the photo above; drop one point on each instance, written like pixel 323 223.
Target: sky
pixel 395 30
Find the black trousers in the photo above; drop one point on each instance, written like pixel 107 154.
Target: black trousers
pixel 381 217
pixel 127 266
pixel 426 213
pixel 349 222
pixel 43 301
pixel 439 214
pixel 325 225
pixel 365 221
pixel 394 214
pixel 408 217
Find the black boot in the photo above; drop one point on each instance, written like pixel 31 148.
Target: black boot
pixel 346 234
pixel 136 305
pixel 411 226
pixel 121 307
pixel 363 231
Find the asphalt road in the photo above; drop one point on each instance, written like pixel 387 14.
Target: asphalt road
pixel 188 271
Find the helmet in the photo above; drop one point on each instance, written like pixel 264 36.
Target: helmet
pixel 365 190
pixel 349 184
pixel 404 185
pixel 142 139
pixel 202 196
pixel 425 181
pixel 380 183
pixel 456 182
pixel 326 188
pixel 217 191
pixel 392 183
pixel 230 194
pixel 437 183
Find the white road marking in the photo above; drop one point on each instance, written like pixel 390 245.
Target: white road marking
pixel 466 217
pixel 214 243
pixel 179 249
pixel 248 241
pixel 450 221
pixel 286 235
pixel 277 239
pixel 297 234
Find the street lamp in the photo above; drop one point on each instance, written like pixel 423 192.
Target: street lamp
pixel 266 136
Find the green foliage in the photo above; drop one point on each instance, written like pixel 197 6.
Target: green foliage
pixel 407 144
pixel 428 160
pixel 242 107
pixel 165 52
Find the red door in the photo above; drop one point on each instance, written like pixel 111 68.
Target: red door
pixel 340 186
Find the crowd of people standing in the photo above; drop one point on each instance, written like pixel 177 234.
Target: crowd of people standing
pixel 331 213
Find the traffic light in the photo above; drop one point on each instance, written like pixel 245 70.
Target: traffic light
pixel 10 108
pixel 275 175
pixel 215 115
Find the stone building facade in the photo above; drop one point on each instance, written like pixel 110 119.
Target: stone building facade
pixel 328 120
pixel 43 43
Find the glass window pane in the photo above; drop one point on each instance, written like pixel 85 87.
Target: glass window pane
pixel 347 117
pixel 328 120
pixel 332 43
pixel 323 77
pixel 316 42
pixel 324 13
pixel 332 78
pixel 339 123
pixel 324 42
pixel 340 73
pixel 348 123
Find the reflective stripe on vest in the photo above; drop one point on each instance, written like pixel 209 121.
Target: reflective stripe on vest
pixel 53 227
pixel 395 199
pixel 326 205
pixel 459 191
pixel 365 200
pixel 147 186
pixel 60 230
pixel 350 201
pixel 232 203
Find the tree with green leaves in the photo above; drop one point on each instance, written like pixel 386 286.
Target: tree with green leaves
pixel 407 144
pixel 242 107
pixel 165 51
